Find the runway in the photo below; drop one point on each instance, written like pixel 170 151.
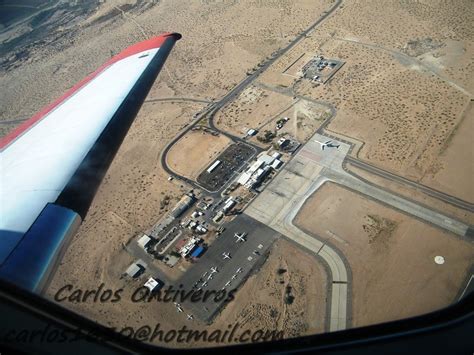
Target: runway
pixel 279 203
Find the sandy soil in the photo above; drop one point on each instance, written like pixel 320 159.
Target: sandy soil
pixel 405 85
pixel 254 108
pixel 405 110
pixel 266 308
pixel 391 255
pixel 455 165
pixel 260 109
pixel 221 41
pixel 414 194
pixel 192 153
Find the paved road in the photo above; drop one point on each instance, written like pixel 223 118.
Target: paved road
pixel 214 108
pixel 279 203
pixel 183 99
pixel 265 65
pixel 400 179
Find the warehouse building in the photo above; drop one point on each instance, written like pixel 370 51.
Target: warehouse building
pixel 182 206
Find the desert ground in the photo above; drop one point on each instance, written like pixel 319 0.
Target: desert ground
pixel 405 87
pixel 260 109
pixel 287 265
pixel 221 41
pixel 404 94
pixel 192 153
pixel 413 194
pixel 391 255
pixel 457 155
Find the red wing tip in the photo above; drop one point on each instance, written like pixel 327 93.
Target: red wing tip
pixel 154 42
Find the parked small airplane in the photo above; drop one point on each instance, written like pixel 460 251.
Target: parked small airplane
pixel 214 269
pixel 240 237
pixel 328 144
pixel 239 270
pixel 189 316
pixel 226 255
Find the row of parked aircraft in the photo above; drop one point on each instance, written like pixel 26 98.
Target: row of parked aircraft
pixel 180 309
pixel 240 238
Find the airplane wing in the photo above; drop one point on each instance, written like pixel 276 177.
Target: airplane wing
pixel 52 164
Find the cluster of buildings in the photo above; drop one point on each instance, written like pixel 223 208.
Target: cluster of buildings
pixel 257 172
pixel 228 205
pixel 190 247
pixel 182 206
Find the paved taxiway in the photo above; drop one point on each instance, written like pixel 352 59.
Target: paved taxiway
pixel 279 203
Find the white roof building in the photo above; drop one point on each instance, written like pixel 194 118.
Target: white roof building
pixel 256 165
pixel 266 159
pixel 276 164
pixel 244 177
pixel 228 205
pixel 143 241
pixel 133 270
pixel 151 284
pixel 213 166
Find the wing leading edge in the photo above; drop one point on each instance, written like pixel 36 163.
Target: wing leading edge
pixel 61 154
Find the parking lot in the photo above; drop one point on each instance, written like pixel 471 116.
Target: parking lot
pixel 231 160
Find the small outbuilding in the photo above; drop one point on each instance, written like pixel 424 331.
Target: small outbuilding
pixel 153 285
pixel 144 241
pixel 197 252
pixel 134 270
pixel 251 132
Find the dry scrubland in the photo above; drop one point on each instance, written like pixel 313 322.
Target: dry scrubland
pixel 391 255
pixel 266 309
pixel 260 109
pixel 407 81
pixel 221 41
pixel 384 96
pixel 192 153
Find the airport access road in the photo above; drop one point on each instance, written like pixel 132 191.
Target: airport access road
pixel 210 112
